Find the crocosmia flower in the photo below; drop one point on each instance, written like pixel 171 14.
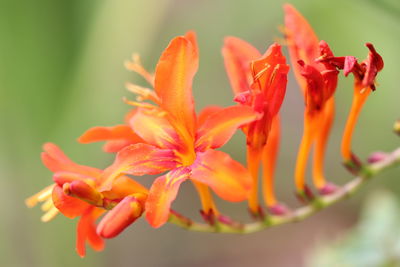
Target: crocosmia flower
pixel 259 81
pixel 178 141
pixel 364 83
pixel 318 81
pixel 163 135
pixel 75 193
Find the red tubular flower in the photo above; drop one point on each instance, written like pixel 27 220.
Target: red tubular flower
pixel 364 83
pixel 318 81
pixel 258 81
pixel 75 193
pixel 176 140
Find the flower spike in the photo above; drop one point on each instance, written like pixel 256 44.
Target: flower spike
pixel 76 193
pixel 162 135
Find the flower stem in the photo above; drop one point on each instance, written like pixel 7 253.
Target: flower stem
pixel 319 203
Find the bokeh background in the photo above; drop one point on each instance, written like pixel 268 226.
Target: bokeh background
pixel 61 72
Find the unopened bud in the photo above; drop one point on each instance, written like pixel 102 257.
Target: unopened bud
pixel 377 156
pixel 85 192
pixel 120 217
pixel 278 209
pixel 328 189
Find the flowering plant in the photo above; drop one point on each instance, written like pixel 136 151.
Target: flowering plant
pixel 162 135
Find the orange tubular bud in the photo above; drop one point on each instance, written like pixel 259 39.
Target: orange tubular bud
pixel 120 217
pixel 253 164
pixel 306 142
pixel 364 83
pixel 359 99
pixel 269 157
pixel 85 192
pixel 320 147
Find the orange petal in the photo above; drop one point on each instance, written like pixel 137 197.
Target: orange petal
pixel 86 231
pixel 116 145
pixel 237 57
pixel 228 178
pixel 120 217
pixel 68 206
pixel 191 36
pixel 55 160
pixel 62 177
pixel 302 42
pixel 162 193
pixel 173 82
pixel 124 186
pixel 123 134
pixel 137 159
pixel 220 126
pixel 154 129
pixel 205 113
pixel 85 192
pixel 270 77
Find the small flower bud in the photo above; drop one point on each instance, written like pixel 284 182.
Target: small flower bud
pixel 120 217
pixel 328 189
pixel 83 191
pixel 377 156
pixel 278 209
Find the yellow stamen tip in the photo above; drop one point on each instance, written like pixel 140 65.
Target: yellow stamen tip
pixel 48 216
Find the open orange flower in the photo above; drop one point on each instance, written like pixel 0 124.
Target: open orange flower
pixel 175 139
pixel 259 81
pixel 318 81
pixel 75 193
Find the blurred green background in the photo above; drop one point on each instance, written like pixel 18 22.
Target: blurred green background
pixel 61 72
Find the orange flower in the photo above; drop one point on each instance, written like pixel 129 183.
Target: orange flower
pixel 75 193
pixel 318 81
pixel 259 81
pixel 175 139
pixel 364 83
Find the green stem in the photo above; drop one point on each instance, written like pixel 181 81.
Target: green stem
pixel 320 203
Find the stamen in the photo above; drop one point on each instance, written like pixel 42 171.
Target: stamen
pixel 41 196
pixel 47 205
pixel 139 104
pixel 48 216
pixel 261 72
pixel 143 92
pixel 136 66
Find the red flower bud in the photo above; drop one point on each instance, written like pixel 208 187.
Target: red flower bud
pixel 120 217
